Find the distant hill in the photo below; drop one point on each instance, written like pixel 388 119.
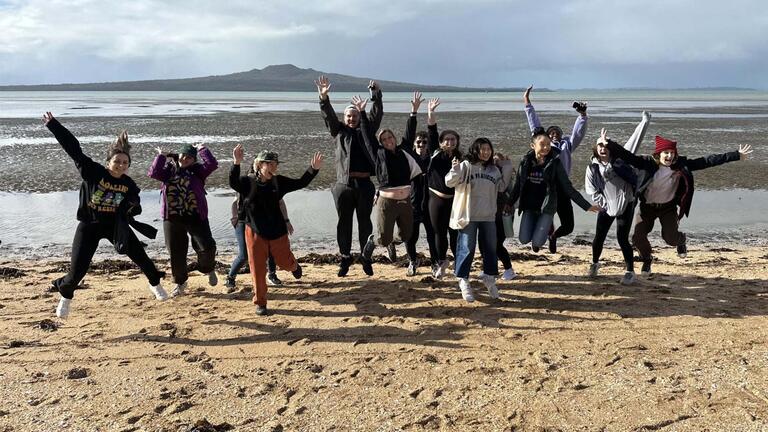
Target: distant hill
pixel 284 77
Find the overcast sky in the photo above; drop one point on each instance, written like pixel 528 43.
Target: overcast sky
pixel 556 44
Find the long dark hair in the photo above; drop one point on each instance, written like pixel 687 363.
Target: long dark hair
pixel 456 151
pixel 473 155
pixel 120 146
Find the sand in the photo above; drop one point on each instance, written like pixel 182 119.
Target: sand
pixel 682 350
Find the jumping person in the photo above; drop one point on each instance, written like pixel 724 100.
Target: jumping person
pixel 439 195
pixel 354 190
pixel 266 231
pixel 395 169
pixel 109 200
pixel 501 208
pixel 184 210
pixel 666 192
pixel 566 145
pixel 539 181
pixel 485 181
pixel 612 183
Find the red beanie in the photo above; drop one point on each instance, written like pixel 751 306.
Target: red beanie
pixel 664 144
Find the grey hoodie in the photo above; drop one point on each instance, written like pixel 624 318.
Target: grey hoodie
pixel 485 182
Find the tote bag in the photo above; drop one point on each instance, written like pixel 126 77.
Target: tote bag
pixel 460 209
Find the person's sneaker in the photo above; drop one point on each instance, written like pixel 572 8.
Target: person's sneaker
pixel 411 269
pixel 434 268
pixel 593 269
pixel 213 279
pixel 534 249
pixel 392 252
pixel 62 310
pixel 552 244
pixel 298 272
pixel 629 278
pixel 344 266
pixel 158 291
pixel 509 274
pixel 646 270
pixel 490 284
pixel 262 310
pixel 466 290
pixel 682 250
pixel 367 266
pixel 229 286
pixel 273 280
pixel 179 289
pixel 368 249
pixel 440 273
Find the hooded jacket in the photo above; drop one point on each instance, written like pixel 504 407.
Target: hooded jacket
pixel 567 144
pixel 486 181
pixel 393 168
pixel 164 169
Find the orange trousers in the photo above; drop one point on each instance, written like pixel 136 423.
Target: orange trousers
pixel 259 249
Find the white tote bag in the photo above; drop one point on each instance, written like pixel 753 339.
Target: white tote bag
pixel 460 209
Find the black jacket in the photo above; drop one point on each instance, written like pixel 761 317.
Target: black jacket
pixel 684 193
pixel 554 175
pixel 439 163
pixel 350 140
pixel 393 168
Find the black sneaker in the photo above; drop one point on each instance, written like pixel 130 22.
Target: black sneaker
pixel 552 244
pixel 367 252
pixel 344 266
pixel 367 266
pixel 646 270
pixel 298 272
pixel 392 252
pixel 229 285
pixel 273 280
pixel 262 310
pixel 682 250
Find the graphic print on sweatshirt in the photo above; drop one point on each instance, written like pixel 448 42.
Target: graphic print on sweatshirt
pixel 107 197
pixel 180 198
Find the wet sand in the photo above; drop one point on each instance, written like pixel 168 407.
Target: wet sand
pixel 683 350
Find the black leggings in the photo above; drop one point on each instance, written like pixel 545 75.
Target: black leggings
pixel 410 245
pixel 501 251
pixel 623 225
pixel 87 237
pixel 564 213
pixel 354 197
pixel 440 216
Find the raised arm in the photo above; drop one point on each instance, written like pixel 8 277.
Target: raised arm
pixel 530 113
pixel 70 144
pixel 208 162
pixel 377 110
pixel 329 115
pixel 241 185
pixel 369 138
pixel 433 137
pixel 633 143
pixel 718 159
pixel 410 126
pixel 580 126
pixel 639 162
pixel 286 185
pixel 160 169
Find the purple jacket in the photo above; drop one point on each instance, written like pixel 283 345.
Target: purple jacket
pixel 567 144
pixel 163 169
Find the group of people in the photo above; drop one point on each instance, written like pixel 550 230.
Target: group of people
pixel 461 198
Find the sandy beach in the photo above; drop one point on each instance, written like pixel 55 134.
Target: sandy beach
pixel 682 350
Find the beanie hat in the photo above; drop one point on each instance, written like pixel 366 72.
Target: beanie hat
pixel 189 150
pixel 664 144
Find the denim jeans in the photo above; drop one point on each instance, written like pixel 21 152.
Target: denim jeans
pixel 465 248
pixel 534 228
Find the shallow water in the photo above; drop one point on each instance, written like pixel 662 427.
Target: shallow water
pixel 41 226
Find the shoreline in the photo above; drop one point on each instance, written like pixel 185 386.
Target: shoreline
pixel 685 349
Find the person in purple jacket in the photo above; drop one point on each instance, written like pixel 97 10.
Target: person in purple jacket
pixel 185 210
pixel 567 145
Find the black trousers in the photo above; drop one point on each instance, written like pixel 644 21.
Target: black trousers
pixel 623 226
pixel 421 218
pixel 440 216
pixel 501 251
pixel 177 236
pixel 87 237
pixel 564 213
pixel 356 196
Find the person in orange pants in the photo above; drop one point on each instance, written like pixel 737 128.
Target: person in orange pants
pixel 266 230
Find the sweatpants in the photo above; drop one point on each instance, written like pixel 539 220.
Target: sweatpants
pixel 354 197
pixel 87 237
pixel 410 245
pixel 390 212
pixel 667 215
pixel 258 250
pixel 440 216
pixel 177 236
pixel 623 226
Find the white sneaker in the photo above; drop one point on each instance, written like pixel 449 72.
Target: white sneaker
pixel 593 269
pixel 178 290
pixel 509 274
pixel 490 283
pixel 158 291
pixel 62 310
pixel 466 290
pixel 629 278
pixel 213 280
pixel 440 273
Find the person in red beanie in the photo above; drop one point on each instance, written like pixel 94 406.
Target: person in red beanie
pixel 666 191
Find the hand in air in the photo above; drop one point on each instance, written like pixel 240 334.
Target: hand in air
pixel 359 103
pixel 744 151
pixel 416 101
pixel 323 86
pixel 47 117
pixel 317 161
pixel 237 154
